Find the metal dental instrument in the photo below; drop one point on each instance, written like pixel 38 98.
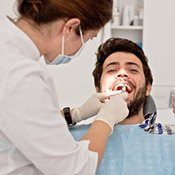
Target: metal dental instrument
pixel 123 88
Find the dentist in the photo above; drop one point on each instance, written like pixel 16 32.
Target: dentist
pixel 34 137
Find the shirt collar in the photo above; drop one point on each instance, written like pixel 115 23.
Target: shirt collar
pixel 149 122
pixel 150 125
pixel 25 45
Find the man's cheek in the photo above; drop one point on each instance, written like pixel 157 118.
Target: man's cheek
pixel 130 98
pixel 106 83
pixel 103 89
pixel 103 85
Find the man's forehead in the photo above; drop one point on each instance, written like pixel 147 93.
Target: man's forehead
pixel 122 58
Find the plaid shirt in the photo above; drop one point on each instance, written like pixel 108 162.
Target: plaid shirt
pixel 149 125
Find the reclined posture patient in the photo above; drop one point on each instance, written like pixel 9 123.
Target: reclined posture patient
pixel 138 145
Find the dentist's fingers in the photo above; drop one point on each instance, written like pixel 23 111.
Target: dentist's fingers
pixel 111 93
pixel 102 96
pixel 123 94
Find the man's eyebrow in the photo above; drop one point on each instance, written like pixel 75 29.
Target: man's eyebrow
pixel 132 63
pixel 115 63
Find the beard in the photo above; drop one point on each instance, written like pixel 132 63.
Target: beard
pixel 136 105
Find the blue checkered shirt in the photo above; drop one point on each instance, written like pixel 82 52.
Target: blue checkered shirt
pixel 150 125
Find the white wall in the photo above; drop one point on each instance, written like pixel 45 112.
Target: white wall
pixel 158 43
pixel 7 7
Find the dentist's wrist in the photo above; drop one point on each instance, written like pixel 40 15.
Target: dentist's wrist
pixel 76 115
pixel 68 116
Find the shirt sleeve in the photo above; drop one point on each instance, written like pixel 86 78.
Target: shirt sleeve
pixel 31 121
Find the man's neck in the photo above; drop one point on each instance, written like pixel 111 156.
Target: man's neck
pixel 136 119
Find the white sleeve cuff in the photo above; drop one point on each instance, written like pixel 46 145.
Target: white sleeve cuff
pixel 91 165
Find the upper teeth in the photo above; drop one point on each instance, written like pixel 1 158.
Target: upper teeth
pixel 123 87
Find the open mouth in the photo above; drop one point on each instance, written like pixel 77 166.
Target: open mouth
pixel 123 87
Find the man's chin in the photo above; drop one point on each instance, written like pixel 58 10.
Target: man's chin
pixel 136 104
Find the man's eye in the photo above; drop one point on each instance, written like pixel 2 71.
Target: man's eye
pixel 133 70
pixel 111 71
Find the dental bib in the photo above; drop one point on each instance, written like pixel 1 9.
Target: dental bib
pixel 132 151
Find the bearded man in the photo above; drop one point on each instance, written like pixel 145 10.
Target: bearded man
pixel 138 144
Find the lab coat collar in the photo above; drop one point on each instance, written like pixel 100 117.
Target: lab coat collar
pixel 25 45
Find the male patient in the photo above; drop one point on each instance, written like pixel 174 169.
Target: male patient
pixel 138 145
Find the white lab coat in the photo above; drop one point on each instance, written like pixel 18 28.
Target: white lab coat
pixel 34 138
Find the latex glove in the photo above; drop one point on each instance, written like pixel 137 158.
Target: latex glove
pixel 114 110
pixel 90 108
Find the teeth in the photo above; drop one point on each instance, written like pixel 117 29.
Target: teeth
pixel 122 87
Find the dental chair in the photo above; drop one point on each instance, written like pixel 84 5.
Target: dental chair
pixel 149 106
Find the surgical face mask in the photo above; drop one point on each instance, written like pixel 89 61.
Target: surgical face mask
pixel 62 58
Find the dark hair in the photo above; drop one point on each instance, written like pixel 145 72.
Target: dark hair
pixel 120 45
pixel 93 14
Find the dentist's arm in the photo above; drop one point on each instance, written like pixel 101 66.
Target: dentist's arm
pixel 89 109
pixel 112 112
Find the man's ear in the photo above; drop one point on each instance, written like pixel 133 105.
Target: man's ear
pixel 148 89
pixel 70 26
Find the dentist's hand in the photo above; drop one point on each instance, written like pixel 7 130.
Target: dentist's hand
pixel 114 111
pixel 90 108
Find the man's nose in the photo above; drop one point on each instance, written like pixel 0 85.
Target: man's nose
pixel 122 73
